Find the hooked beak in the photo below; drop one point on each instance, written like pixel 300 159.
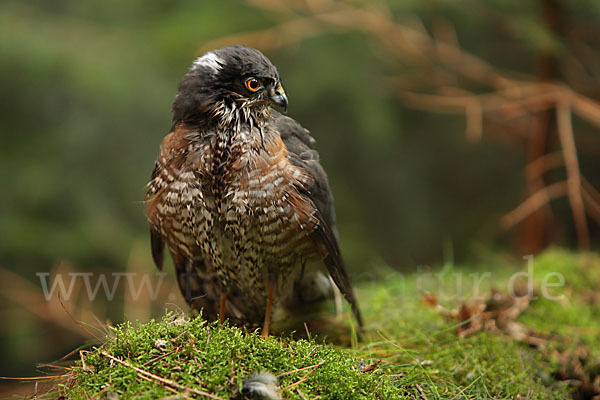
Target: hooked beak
pixel 278 97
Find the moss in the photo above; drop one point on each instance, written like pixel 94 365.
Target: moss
pixel 571 318
pixel 424 347
pixel 216 358
pixel 422 355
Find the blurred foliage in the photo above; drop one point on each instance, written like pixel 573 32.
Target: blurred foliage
pixel 86 91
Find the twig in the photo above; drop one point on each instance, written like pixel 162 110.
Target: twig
pixel 170 389
pixel 533 203
pixel 421 392
pixel 586 108
pixel 301 369
pixel 307 331
pixel 592 206
pixel 83 365
pixel 543 164
pixel 567 140
pixel 474 115
pixel 34 378
pixel 301 394
pixel 81 324
pixel 165 381
pixel 176 396
pixel 155 359
pixel 587 186
pixel 305 377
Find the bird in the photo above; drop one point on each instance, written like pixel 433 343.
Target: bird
pixel 239 197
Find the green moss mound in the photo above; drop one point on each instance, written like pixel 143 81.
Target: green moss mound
pixel 214 358
pixel 422 355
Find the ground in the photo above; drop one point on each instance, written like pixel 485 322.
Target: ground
pixel 451 333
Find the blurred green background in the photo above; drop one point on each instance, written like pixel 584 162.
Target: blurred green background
pixel 86 95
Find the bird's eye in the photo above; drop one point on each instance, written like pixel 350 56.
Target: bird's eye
pixel 252 84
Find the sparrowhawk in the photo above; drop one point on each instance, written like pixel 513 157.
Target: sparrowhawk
pixel 239 196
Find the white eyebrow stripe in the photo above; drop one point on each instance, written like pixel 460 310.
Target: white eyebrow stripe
pixel 209 60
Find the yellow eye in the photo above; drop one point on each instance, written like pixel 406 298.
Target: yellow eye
pixel 252 84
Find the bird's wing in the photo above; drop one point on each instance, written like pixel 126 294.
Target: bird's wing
pixel 302 154
pixel 156 242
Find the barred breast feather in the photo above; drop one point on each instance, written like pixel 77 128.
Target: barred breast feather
pixel 236 210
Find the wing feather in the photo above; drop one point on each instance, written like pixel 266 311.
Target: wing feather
pixel 302 154
pixel 157 244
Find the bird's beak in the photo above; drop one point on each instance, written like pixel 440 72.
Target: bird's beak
pixel 278 97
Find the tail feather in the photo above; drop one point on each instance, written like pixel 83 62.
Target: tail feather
pixel 158 248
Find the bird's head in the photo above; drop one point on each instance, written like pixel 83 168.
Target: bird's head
pixel 229 80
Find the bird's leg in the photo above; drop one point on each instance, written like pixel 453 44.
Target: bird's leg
pixel 265 330
pixel 222 306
